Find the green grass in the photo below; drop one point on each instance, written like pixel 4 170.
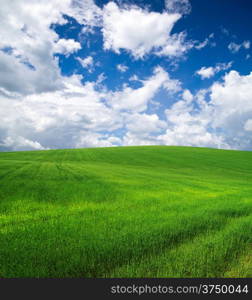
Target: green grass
pixel 150 211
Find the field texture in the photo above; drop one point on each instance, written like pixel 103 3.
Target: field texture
pixel 151 211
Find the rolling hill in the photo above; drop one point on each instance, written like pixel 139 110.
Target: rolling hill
pixel 151 211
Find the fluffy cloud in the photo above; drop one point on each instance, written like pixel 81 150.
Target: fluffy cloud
pixel 28 42
pixel 78 116
pixel 86 62
pixel 66 47
pixel 86 12
pixel 88 139
pixel 18 143
pixel 137 100
pixel 56 119
pixel 28 45
pixel 45 77
pixel 232 108
pixel 144 124
pixel 218 117
pixel 126 28
pixel 41 109
pixel 207 72
pixel 184 125
pixel 188 127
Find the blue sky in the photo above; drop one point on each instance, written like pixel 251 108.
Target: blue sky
pixel 84 73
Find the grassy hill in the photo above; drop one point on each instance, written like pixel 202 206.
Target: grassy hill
pixel 150 211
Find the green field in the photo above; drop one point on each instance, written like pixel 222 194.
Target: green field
pixel 151 211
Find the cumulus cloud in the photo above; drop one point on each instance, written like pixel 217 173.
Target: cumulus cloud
pixel 207 72
pixel 126 28
pixel 57 119
pixel 41 109
pixel 187 96
pixel 45 77
pixel 18 143
pixel 232 108
pixel 28 43
pixel 66 46
pixel 86 12
pixel 137 99
pixel 78 116
pixel 144 124
pixel 188 127
pixel 218 117
pixel 88 139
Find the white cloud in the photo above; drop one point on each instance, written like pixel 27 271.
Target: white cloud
pixel 126 28
pixel 184 125
pixel 248 125
pixel 19 143
pixel 187 96
pixel 28 42
pixel 31 41
pixel 101 77
pixel 75 115
pixel 134 78
pixel 86 12
pixel 246 44
pixel 132 139
pixel 207 72
pixel 219 117
pixel 231 108
pixel 26 31
pixel 137 100
pixel 222 121
pixel 71 116
pixel 189 127
pixel 234 48
pixel 88 139
pixel 57 119
pixel 144 124
pixel 175 46
pixel 66 47
pixel 202 45
pixel 208 41
pixel 122 68
pixel 87 63
pixel 17 77
pixel 41 109
pixel 178 6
